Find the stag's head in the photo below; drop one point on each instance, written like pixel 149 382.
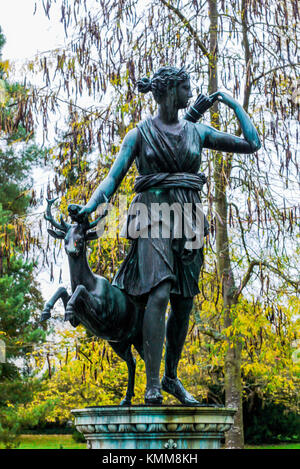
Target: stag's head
pixel 77 234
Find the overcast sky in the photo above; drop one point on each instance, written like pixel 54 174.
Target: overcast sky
pixel 28 33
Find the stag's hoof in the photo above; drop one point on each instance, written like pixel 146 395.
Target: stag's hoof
pixel 175 387
pixel 153 396
pixel 126 402
pixel 69 314
pixel 69 317
pixel 45 315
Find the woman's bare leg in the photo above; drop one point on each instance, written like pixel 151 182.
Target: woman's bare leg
pixel 153 338
pixel 177 328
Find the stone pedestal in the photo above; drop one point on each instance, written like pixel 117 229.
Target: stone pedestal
pixel 164 427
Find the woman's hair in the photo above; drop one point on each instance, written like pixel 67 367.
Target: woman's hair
pixel 163 79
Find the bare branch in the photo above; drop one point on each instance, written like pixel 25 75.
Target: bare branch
pixel 187 25
pixel 242 229
pixel 273 70
pixel 213 333
pixel 247 276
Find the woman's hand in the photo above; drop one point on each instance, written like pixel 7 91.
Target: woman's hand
pixel 222 141
pixel 226 99
pixel 97 199
pixel 88 208
pixel 202 104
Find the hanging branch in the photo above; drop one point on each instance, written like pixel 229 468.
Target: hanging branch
pixel 207 330
pixel 186 23
pixel 247 276
pixel 272 70
pixel 248 57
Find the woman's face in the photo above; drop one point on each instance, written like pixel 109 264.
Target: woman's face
pixel 184 93
pixel 177 97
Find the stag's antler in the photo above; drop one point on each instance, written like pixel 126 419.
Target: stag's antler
pixel 63 226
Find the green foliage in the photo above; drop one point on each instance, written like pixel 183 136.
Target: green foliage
pixel 13 419
pixel 78 437
pixel 13 414
pixel 2 39
pixel 250 215
pixel 20 298
pixel 15 181
pixel 9 428
pixel 266 422
pixel 89 373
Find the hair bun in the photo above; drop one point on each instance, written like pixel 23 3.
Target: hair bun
pixel 144 85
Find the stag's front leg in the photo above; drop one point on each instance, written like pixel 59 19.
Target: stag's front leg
pixel 83 306
pixel 60 293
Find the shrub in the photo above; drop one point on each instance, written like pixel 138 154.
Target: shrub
pixel 270 423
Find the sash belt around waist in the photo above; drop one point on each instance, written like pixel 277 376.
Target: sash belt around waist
pixel 170 180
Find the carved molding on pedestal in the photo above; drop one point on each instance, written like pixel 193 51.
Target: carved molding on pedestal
pixel 165 427
pixel 154 428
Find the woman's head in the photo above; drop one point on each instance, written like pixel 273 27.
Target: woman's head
pixel 164 80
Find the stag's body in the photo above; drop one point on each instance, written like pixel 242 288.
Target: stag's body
pixel 103 309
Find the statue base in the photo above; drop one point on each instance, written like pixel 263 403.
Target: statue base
pixel 145 427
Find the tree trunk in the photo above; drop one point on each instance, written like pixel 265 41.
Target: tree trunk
pixel 233 386
pixel 234 438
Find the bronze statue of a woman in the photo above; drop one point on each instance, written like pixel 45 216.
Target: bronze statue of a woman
pixel 167 152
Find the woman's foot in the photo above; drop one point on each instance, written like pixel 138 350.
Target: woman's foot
pixel 174 386
pixel 153 396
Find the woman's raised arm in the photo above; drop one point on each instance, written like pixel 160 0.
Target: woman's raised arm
pixel 222 141
pixel 117 172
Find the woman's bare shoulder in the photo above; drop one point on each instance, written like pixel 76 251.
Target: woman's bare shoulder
pixel 132 134
pixel 202 129
pixel 132 138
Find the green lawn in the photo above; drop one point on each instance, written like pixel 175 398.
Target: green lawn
pixel 49 442
pixel 66 442
pixel 278 446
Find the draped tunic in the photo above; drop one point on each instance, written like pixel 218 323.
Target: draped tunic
pixel 168 166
